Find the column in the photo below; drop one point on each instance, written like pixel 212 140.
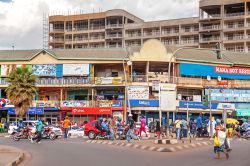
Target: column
pixel 147 70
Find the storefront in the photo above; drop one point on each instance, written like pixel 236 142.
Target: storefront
pixel 144 107
pixel 82 114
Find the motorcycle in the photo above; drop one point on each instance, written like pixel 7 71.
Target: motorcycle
pixel 23 134
pixel 48 133
pixel 245 133
pixel 122 134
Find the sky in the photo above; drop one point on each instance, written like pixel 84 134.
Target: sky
pixel 21 21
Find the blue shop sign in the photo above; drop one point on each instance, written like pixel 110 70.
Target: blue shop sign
pixel 213 71
pixel 192 104
pixel 144 103
pixel 31 111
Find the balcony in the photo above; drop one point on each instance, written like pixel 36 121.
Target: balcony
pixel 56 40
pixel 110 26
pixel 229 38
pixel 133 35
pixel 211 16
pixel 153 34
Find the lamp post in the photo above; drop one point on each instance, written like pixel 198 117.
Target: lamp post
pixel 210 108
pixel 129 63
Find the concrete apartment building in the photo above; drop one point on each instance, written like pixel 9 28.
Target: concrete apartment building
pixel 225 21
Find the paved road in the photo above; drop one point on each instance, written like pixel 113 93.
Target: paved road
pixel 74 152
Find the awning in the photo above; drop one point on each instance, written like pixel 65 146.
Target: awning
pixel 242 112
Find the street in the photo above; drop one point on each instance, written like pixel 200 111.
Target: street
pixel 74 152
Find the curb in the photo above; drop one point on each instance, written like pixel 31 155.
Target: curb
pixel 153 148
pixel 17 160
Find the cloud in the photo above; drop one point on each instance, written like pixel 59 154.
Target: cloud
pixel 21 21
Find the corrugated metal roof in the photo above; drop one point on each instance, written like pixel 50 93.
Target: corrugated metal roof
pixel 90 54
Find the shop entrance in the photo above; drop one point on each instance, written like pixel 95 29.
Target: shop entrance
pixel 3 116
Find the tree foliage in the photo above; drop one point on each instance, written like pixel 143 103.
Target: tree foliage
pixel 21 89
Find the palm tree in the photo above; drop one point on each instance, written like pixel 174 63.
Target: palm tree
pixel 22 89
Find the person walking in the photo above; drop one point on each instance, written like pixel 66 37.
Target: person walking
pixel 158 129
pixel 178 128
pixel 219 139
pixel 66 126
pixel 143 126
pixel 131 125
pixel 184 125
pixel 199 125
pixel 39 131
pixel 192 127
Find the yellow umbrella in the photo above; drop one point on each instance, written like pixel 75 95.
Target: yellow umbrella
pixel 232 121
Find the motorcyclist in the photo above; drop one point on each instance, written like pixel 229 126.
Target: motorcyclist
pixel 104 125
pixel 131 124
pixel 119 125
pixel 245 124
pixel 99 124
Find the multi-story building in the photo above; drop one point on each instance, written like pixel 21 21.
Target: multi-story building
pixel 224 21
pixel 88 83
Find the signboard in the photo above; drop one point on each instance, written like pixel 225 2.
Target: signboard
pixel 168 101
pixel 226 106
pixel 229 95
pixel 222 83
pixel 74 103
pixel 44 70
pixel 144 103
pixel 214 71
pixel 47 103
pixel 31 111
pixel 243 112
pixel 75 69
pixel 138 92
pixel 232 70
pixel 168 87
pixel 198 105
pixel 108 80
pixel 197 98
pixel 92 111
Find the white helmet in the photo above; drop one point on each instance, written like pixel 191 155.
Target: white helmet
pixel 130 115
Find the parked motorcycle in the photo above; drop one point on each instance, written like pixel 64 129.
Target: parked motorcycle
pixel 22 134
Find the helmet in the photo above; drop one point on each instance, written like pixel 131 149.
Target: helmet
pixel 218 121
pixel 130 115
pixel 100 119
pixel 119 119
pixel 104 119
pixel 243 120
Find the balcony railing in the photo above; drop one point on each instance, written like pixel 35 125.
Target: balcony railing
pixel 114 26
pixel 212 27
pixel 114 36
pixel 56 30
pixel 235 14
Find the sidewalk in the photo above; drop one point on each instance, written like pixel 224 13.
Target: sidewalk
pixel 10 156
pixel 151 145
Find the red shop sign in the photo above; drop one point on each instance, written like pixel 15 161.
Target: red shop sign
pixel 222 83
pixel 92 111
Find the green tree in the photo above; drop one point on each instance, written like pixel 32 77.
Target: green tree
pixel 21 90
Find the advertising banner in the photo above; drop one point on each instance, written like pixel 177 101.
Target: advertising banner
pixel 72 103
pixel 138 92
pixel 76 69
pixel 48 103
pixel 229 95
pixel 168 87
pixel 144 103
pixel 108 80
pixel 92 111
pixel 44 70
pixel 214 71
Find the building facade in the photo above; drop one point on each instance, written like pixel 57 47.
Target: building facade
pixel 224 21
pixel 88 83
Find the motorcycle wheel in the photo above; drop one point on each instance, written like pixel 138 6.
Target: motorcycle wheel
pixel 91 135
pixel 52 136
pixel 16 137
